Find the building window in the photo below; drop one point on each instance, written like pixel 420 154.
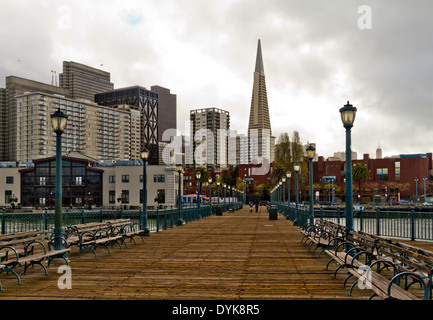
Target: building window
pixel 125 177
pixel 112 179
pixel 159 178
pixel 112 196
pixel 397 170
pixel 382 173
pixel 9 180
pixel 141 178
pixel 160 196
pixel 8 195
pixel 125 196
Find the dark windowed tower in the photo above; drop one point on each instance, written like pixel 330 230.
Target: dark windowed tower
pixel 146 102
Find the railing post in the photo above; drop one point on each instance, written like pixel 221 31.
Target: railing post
pixel 377 221
pixel 361 220
pixel 82 215
pixel 157 219
pixel 321 213
pixel 412 224
pixel 46 219
pixel 100 214
pixel 338 215
pixel 3 222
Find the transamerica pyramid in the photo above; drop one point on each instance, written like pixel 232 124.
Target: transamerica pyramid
pixel 259 111
pixel 261 142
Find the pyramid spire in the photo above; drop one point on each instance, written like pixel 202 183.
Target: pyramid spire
pixel 259 59
pixel 259 111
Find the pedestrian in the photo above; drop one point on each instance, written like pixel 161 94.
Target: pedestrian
pixel 257 205
pixel 251 206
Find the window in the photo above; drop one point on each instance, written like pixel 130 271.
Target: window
pixel 125 196
pixel 160 196
pixel 382 173
pixel 125 177
pixel 159 178
pixel 397 170
pixel 112 179
pixel 8 195
pixel 9 180
pixel 112 196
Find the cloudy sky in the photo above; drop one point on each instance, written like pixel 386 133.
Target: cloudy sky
pixel 317 56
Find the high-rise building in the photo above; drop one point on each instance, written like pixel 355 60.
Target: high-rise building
pixel 100 132
pixel 3 126
pixel 167 112
pixel 145 101
pixel 209 129
pixel 17 86
pixel 262 144
pixel 83 81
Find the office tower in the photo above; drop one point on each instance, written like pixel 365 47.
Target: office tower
pixel 101 133
pixel 17 86
pixel 262 144
pixel 167 112
pixel 146 101
pixel 210 126
pixel 83 81
pixel 3 126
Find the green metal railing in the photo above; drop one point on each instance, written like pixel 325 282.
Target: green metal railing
pixel 157 220
pixel 408 224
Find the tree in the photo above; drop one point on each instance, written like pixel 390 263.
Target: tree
pixel 283 150
pixel 278 171
pixel 359 173
pixel 296 148
pixel 263 191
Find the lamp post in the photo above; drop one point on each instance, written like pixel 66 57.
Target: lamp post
pixel 144 155
pixel 210 193
pixel 284 188
pixel 297 167
pixel 425 194
pixel 218 185
pixel 288 175
pixel 224 202
pixel 198 176
pixel 310 154
pixel 348 113
pixel 416 190
pixel 230 195
pixel 58 121
pixel 179 196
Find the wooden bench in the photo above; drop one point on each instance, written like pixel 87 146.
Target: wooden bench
pixel 324 234
pixel 28 249
pixel 127 229
pixel 93 235
pixel 388 270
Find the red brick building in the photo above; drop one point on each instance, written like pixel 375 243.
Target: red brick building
pixel 389 178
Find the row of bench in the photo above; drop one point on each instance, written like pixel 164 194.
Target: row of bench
pixel 391 269
pixel 34 247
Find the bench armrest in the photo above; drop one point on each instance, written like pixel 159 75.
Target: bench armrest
pixel 17 256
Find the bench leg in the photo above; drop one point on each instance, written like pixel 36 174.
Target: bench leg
pixel 26 265
pixel 345 280
pixel 63 256
pixel 11 270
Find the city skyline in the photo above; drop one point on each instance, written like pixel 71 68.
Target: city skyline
pixel 317 57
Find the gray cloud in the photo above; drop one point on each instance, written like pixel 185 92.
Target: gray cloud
pixel 315 58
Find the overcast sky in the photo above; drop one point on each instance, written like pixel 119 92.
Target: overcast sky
pixel 317 55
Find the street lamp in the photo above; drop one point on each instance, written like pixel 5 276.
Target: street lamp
pixel 310 154
pixel 348 113
pixel 58 121
pixel 144 155
pixel 198 176
pixel 210 193
pixel 179 196
pixel 296 167
pixel 288 175
pixel 416 190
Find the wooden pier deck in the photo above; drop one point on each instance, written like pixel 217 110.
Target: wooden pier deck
pixel 237 256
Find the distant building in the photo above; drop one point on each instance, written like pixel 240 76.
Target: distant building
pixel 83 82
pixel 209 126
pixel 388 178
pixel 167 112
pixel 261 141
pixel 145 101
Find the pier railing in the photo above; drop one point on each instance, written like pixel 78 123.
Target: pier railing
pixel 157 220
pixel 405 223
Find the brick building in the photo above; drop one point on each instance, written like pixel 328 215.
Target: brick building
pixel 391 178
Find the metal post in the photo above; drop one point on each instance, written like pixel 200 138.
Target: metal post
pixel 311 192
pixel 296 196
pixel 144 222
pixel 198 198
pixel 349 200
pixel 58 194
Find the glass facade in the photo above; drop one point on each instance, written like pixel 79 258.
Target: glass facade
pixel 82 184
